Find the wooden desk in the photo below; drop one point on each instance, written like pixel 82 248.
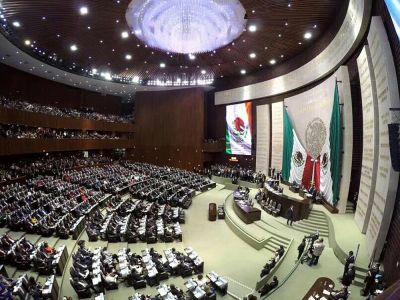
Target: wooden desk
pixel 212 212
pixel 301 208
pixel 318 287
pixel 246 213
pixel 294 189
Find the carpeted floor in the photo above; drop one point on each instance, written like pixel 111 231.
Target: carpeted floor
pixel 223 252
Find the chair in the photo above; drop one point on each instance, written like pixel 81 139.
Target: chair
pixel 271 207
pixel 81 288
pixel 163 276
pixel 277 211
pixel 109 285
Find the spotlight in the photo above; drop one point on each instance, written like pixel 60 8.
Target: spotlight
pixel 125 34
pixel 308 35
pixel 74 48
pixel 252 28
pixel 83 10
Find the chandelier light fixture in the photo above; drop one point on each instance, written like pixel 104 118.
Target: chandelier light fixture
pixel 186 26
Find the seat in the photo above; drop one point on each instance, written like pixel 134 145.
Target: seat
pixel 109 285
pixel 139 284
pixel 277 210
pixel 81 288
pixel 271 207
pixel 163 276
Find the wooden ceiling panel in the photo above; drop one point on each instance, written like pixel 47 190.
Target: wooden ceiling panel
pixel 55 25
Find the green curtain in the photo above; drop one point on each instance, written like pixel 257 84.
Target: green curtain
pixel 287 145
pixel 335 139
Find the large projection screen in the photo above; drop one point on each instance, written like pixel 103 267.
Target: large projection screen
pixel 238 129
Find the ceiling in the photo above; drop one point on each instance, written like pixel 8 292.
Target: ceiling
pixel 54 26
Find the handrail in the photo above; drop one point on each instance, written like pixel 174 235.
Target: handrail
pixel 291 271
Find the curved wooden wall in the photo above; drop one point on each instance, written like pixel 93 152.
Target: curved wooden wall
pixel 13 116
pixel 26 146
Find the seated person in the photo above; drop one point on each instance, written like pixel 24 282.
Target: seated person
pixel 341 294
pixel 269 286
pixel 174 291
pixel 280 251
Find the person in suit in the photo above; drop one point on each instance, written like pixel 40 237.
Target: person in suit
pixel 341 294
pixel 349 260
pixel 348 276
pixel 317 251
pixel 290 215
pixel 301 248
pixel 269 286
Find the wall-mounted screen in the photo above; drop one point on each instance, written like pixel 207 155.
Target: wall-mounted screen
pixel 238 129
pixel 394 9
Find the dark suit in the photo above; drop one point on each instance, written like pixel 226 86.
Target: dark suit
pixel 290 215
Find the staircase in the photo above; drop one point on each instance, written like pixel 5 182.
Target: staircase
pixel 274 240
pixel 350 208
pixel 316 221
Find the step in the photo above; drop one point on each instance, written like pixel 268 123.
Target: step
pixel 279 238
pixel 316 213
pixel 312 228
pixel 276 244
pixel 325 235
pixel 313 222
pixel 317 218
pixel 358 283
pixel 270 248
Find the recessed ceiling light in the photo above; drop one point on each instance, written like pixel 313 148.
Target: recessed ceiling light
pixel 252 28
pixel 16 24
pixel 315 26
pixel 74 48
pixel 286 24
pixel 300 43
pixel 272 61
pixel 192 57
pixel 128 57
pixel 252 55
pixel 27 42
pixel 282 56
pixel 203 72
pixel 308 35
pixel 83 10
pixel 125 34
pixel 162 65
pixel 243 71
pixel 289 5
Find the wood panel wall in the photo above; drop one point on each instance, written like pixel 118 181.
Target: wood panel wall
pixel 24 86
pixel 169 128
pixel 30 146
pixel 12 116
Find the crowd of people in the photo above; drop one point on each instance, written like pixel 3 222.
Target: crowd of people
pixel 94 270
pixel 47 164
pixel 83 113
pixel 28 132
pixel 235 173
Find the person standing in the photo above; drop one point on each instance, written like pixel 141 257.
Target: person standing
pixel 290 214
pixel 348 276
pixel 300 248
pixel 349 260
pixel 317 251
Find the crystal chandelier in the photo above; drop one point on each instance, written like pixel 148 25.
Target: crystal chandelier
pixel 186 26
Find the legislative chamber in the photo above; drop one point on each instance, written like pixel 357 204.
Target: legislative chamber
pixel 199 149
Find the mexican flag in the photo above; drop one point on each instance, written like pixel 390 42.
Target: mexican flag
pixel 238 129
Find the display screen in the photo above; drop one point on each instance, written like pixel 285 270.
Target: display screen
pixel 238 129
pixel 394 9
